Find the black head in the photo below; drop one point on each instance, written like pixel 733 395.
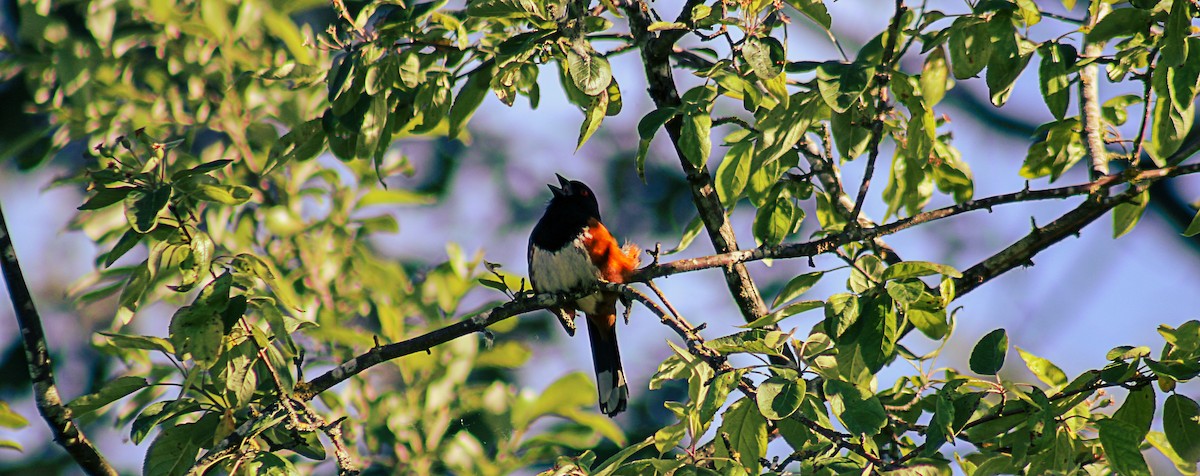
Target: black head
pixel 573 194
pixel 568 212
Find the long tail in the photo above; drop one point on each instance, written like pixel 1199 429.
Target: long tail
pixel 610 378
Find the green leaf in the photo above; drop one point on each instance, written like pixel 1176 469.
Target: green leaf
pixel 905 292
pixel 1194 227
pixel 174 450
pixel 696 138
pixel 1126 352
pixel 300 144
pixel 199 332
pixel 1159 441
pixel 1171 121
pixel 159 412
pixel 562 396
pixel 787 311
pixel 11 419
pixel 1114 109
pixel 747 430
pixel 374 130
pixel 922 135
pixel 666 25
pixel 1138 410
pixel 841 311
pixel 935 76
pixel 734 172
pixel 610 465
pixel 669 436
pixel 1120 443
pixel 469 98
pixel 780 397
pixel 766 56
pixel 783 126
pixel 1010 54
pixel 139 342
pixel 753 341
pixel 1056 151
pixel 647 128
pixel 592 117
pixel 105 197
pixel 269 464
pixel 131 295
pixel 1127 214
pixel 394 196
pixel 502 8
pixel 240 378
pixel 266 272
pixel 508 354
pixel 988 356
pixel 970 46
pixel 1057 60
pixel 590 71
pixel 1120 22
pixel 1029 12
pixel 345 83
pixel 860 412
pixel 776 219
pixel 797 287
pixel 598 423
pixel 1044 370
pixel 112 391
pixel 223 194
pixel 343 141
pixel 850 133
pixel 916 269
pixel 128 240
pixel 282 27
pixel 842 84
pixel 815 10
pixel 689 234
pixel 1174 43
pixel 866 274
pixel 931 323
pixel 1181 424
pixel 143 206
pixel 794 432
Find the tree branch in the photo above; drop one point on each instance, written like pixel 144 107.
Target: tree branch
pixel 41 370
pixel 656 51
pixel 831 242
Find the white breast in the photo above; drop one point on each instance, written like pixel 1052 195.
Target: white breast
pixel 564 270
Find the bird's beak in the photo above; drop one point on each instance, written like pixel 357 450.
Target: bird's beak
pixel 565 188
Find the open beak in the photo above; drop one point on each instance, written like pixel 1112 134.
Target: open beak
pixel 564 188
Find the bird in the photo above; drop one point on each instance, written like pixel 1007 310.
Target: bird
pixel 570 249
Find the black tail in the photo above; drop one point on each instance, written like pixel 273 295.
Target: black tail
pixel 610 378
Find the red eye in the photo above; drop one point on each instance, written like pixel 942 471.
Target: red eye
pixel 585 193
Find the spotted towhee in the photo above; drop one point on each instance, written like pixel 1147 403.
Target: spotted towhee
pixel 570 249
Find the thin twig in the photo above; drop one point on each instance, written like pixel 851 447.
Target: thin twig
pixel 339 6
pixel 882 76
pixel 1138 145
pixel 1089 93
